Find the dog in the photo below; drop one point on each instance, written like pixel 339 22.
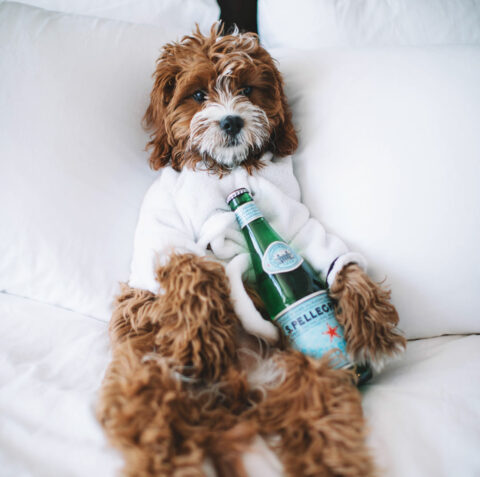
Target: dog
pixel 197 373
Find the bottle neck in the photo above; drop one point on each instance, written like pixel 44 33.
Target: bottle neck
pixel 256 229
pixel 245 208
pixel 239 200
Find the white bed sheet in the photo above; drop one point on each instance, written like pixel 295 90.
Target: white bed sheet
pixel 51 364
pixel 424 410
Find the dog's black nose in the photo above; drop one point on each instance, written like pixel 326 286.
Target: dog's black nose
pixel 232 125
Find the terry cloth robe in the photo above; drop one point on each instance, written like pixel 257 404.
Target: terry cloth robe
pixel 186 212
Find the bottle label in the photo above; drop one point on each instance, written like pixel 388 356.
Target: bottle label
pixel 280 258
pixel 312 328
pixel 247 213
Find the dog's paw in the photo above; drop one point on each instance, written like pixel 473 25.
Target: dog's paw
pixel 369 319
pixel 379 355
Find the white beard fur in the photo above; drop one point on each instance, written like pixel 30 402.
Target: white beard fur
pixel 208 139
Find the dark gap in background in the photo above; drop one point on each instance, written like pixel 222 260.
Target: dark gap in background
pixel 243 13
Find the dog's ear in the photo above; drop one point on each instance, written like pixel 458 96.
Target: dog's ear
pixel 155 116
pixel 284 138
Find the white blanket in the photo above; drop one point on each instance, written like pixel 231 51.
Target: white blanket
pixel 186 212
pixel 423 410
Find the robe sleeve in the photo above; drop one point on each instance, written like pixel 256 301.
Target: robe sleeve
pixel 327 253
pixel 161 230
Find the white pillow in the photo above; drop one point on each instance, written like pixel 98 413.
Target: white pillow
pixel 312 24
pixel 177 15
pixel 73 170
pixel 389 159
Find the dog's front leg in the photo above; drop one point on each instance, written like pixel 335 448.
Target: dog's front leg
pixel 172 389
pixel 367 316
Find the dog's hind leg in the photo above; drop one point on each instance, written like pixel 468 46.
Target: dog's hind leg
pixel 313 419
pixel 138 410
pixel 137 399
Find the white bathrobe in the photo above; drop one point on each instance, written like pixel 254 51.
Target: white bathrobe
pixel 186 212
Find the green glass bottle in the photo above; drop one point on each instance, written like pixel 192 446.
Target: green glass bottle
pixel 295 297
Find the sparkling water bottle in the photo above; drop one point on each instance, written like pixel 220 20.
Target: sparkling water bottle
pixel 295 297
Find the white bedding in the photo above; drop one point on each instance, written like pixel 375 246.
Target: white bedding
pixel 424 410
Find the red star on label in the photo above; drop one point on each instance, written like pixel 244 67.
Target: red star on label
pixel 332 332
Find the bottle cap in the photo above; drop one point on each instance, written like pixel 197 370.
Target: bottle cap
pixel 236 193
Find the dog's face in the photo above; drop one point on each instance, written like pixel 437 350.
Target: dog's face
pixel 217 100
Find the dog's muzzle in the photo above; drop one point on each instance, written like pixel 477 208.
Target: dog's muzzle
pixel 228 130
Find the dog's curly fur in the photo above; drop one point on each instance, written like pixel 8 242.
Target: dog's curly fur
pixel 184 67
pixel 183 386
pixel 174 386
pixel 374 337
pixel 176 391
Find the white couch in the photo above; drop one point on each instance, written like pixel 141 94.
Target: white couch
pixel 389 159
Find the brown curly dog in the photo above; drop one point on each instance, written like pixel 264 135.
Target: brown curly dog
pixel 188 389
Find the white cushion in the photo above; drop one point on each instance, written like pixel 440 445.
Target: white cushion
pixel 389 160
pixel 177 15
pixel 423 411
pixel 73 170
pixel 311 24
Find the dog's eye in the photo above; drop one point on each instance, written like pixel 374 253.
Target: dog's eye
pixel 199 96
pixel 246 91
